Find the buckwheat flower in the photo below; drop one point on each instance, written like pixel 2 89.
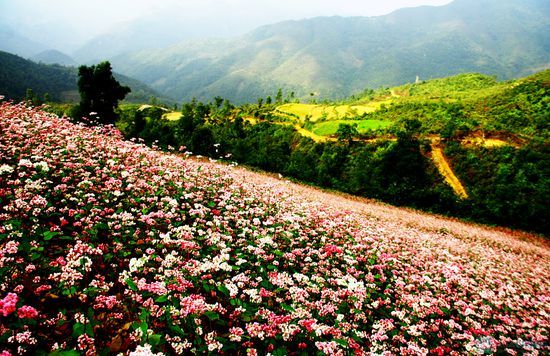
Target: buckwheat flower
pixel 136 263
pixel 23 338
pixel 327 347
pixel 144 350
pixel 5 169
pixel 7 305
pixel 42 166
pixel 25 163
pixel 212 343
pixel 27 312
pixel 235 334
pixel 10 248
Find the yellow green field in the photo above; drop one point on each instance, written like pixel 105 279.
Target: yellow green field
pixel 330 112
pixel 172 116
pixel 328 128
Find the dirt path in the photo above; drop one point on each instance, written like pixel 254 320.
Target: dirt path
pixel 446 171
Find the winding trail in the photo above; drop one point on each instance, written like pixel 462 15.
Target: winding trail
pixel 440 162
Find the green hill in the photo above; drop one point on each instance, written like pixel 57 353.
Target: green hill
pixel 466 102
pixel 334 57
pixel 467 146
pixel 18 74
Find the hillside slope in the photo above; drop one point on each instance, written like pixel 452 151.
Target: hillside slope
pixel 54 57
pixel 335 57
pixel 17 74
pixel 126 248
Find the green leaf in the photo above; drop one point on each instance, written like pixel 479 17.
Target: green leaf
pixel 89 330
pixel 131 284
pixel 176 329
pixel 287 307
pixel 64 353
pixel 212 315
pixel 154 340
pixel 78 329
pixel 223 289
pixel 143 326
pixel 162 299
pixel 48 235
pixel 341 342
pixel 144 315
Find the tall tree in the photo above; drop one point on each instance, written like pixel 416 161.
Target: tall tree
pixel 100 92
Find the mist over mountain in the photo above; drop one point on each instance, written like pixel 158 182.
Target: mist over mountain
pixel 13 42
pixel 333 57
pixel 53 56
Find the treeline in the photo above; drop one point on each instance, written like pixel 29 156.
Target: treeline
pixel 507 186
pixel 53 82
pixel 17 75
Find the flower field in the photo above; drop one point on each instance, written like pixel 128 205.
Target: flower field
pixel 108 246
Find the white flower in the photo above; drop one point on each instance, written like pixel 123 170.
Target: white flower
pixel 136 263
pixel 5 169
pixel 25 163
pixel 144 350
pixel 42 165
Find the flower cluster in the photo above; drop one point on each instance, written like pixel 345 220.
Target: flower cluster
pixel 108 246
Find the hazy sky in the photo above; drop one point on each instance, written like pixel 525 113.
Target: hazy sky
pixel 107 12
pixel 83 19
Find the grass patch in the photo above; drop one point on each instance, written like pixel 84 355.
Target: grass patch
pixel 328 128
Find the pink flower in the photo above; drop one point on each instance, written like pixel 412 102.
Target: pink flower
pixel 332 249
pixel 27 312
pixel 7 305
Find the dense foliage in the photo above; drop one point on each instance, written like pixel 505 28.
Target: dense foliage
pixel 18 74
pixel 60 83
pixel 99 92
pixel 107 246
pixel 508 185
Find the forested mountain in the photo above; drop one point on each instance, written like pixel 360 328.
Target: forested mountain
pixel 53 56
pixel 334 57
pixel 18 74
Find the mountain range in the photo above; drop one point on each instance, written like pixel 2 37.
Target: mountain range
pixel 333 57
pixel 318 58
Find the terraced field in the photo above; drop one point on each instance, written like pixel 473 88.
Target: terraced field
pixel 172 116
pixel 328 128
pixel 329 112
